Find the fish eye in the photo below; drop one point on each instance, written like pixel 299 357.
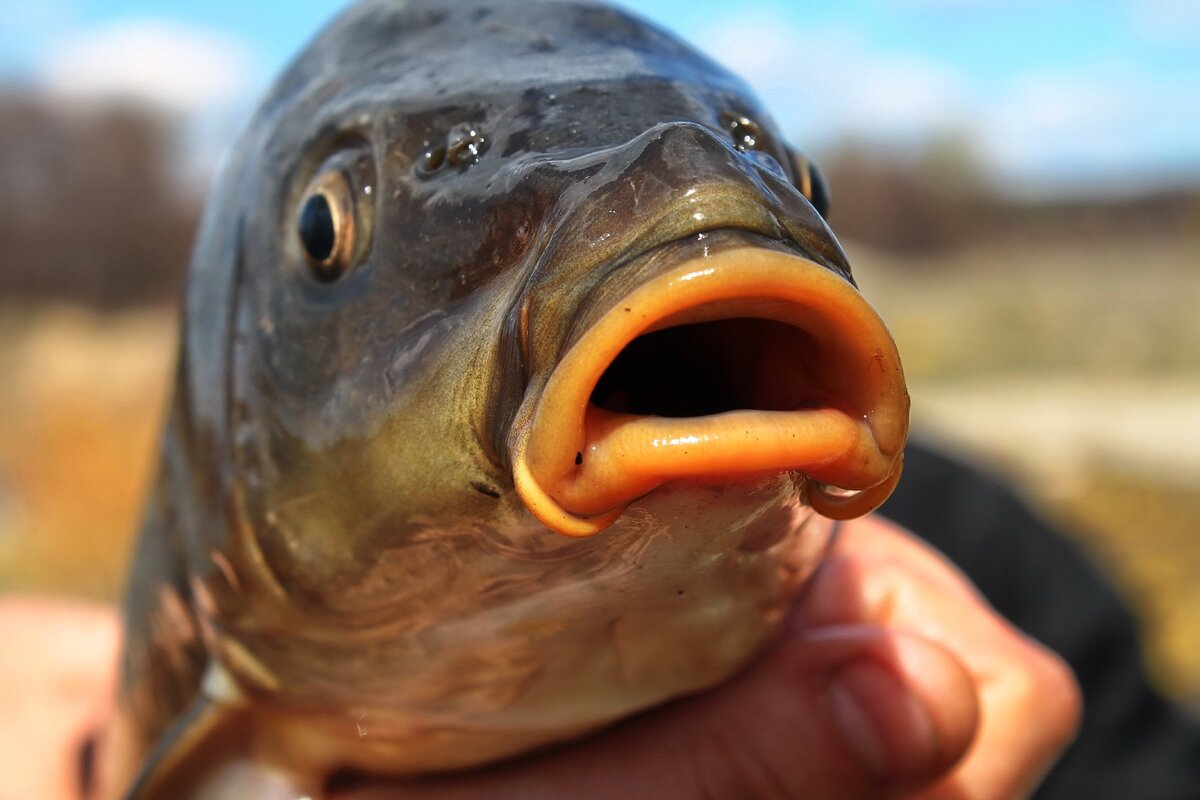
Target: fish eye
pixel 326 227
pixel 331 224
pixel 811 182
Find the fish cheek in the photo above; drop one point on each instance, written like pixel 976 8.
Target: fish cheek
pixel 295 378
pixel 507 232
pixel 357 522
pixel 342 483
pixel 314 501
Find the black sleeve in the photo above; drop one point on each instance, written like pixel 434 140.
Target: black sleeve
pixel 1133 744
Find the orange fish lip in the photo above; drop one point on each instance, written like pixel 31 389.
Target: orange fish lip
pixel 577 465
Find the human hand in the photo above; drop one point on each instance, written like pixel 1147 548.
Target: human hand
pixel 58 666
pixel 893 680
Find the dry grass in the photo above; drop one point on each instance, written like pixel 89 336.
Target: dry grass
pixel 1107 307
pixel 82 403
pixel 1146 533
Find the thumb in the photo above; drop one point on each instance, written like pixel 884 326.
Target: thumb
pixel 840 712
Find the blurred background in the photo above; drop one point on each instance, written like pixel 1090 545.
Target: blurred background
pixel 1017 184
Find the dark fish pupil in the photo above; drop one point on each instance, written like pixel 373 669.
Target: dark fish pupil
pixel 316 228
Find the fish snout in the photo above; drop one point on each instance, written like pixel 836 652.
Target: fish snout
pixel 668 182
pixel 732 358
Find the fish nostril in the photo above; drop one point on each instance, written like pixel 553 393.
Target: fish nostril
pixel 747 135
pixel 714 367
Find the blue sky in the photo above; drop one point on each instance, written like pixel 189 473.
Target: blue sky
pixel 1054 95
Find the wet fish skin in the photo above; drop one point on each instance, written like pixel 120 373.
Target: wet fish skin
pixel 334 543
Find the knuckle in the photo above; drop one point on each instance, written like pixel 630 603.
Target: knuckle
pixel 856 588
pixel 1063 698
pixel 1049 693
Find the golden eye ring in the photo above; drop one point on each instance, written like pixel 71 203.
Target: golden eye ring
pixel 327 227
pixel 811 182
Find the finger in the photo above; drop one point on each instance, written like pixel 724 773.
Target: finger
pixel 57 678
pixel 868 580
pixel 875 537
pixel 879 575
pixel 828 714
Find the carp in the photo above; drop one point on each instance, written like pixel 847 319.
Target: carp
pixel 520 380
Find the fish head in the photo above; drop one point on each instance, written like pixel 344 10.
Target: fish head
pixel 437 255
pixel 511 324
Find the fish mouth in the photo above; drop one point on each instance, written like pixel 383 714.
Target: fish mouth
pixel 728 365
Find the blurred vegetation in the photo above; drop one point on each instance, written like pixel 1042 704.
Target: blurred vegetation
pixel 939 199
pixel 94 213
pixel 1146 531
pixel 1101 306
pixel 84 393
pixel 1056 339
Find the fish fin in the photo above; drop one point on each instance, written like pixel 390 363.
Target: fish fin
pixel 207 754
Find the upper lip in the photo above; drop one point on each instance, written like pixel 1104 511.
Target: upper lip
pixel 723 189
pixel 729 206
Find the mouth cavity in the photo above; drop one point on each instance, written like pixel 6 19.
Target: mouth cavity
pixel 746 363
pixel 707 368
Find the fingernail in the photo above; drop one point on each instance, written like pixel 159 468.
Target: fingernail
pixel 885 725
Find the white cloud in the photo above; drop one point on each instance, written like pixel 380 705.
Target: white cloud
pixel 954 5
pixel 1051 130
pixel 1038 130
pixel 827 82
pixel 206 81
pixel 1045 113
pixel 1169 22
pixel 34 18
pixel 179 68
pixel 904 97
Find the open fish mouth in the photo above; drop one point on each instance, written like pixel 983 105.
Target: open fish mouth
pixel 733 365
